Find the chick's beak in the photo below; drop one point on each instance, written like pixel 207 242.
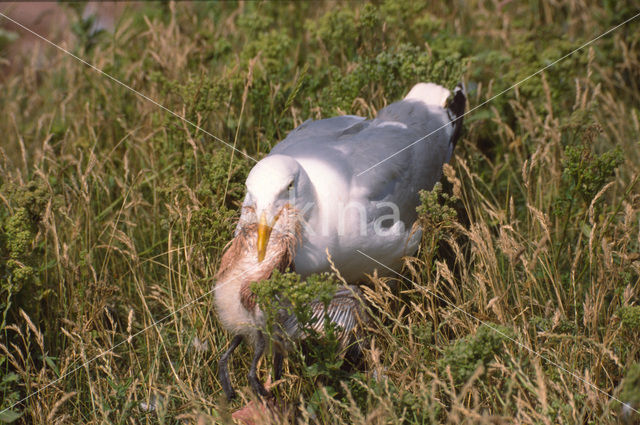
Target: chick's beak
pixel 264 231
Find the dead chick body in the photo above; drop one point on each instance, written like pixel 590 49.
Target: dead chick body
pixel 236 304
pixel 241 315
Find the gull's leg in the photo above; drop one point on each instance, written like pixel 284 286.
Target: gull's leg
pixel 256 385
pixel 277 365
pixel 223 370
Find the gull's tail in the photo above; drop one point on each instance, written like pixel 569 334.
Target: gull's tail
pixel 435 95
pixel 430 94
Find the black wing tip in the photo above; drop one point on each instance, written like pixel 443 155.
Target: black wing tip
pixel 456 107
pixel 458 102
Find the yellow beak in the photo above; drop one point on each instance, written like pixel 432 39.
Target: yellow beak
pixel 264 231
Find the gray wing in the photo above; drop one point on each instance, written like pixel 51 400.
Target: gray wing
pixel 353 145
pixel 345 310
pixel 311 133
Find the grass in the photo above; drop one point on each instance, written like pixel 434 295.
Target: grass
pixel 113 213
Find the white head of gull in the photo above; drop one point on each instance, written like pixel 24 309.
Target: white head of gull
pixel 275 186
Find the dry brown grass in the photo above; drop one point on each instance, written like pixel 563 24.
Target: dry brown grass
pixel 129 209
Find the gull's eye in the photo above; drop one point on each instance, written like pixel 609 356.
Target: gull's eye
pixel 290 185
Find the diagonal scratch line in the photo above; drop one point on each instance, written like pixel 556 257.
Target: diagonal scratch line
pixel 114 79
pixel 530 350
pixel 21 401
pixel 129 338
pixel 503 92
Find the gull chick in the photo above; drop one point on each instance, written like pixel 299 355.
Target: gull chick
pixel 240 314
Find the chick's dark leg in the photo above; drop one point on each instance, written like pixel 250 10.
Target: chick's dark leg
pixel 256 385
pixel 277 365
pixel 223 370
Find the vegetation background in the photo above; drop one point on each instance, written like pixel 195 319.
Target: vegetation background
pixel 113 212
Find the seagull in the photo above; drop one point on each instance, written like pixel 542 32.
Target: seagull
pixel 353 184
pixel 240 314
pixel 330 188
